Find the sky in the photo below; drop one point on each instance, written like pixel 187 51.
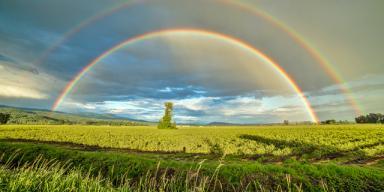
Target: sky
pixel 207 70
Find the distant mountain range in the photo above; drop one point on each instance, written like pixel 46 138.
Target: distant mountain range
pixel 21 115
pixel 220 123
pixel 231 124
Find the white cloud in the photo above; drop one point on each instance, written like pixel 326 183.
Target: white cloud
pixel 87 106
pixel 199 109
pixel 185 118
pixel 197 103
pixel 170 89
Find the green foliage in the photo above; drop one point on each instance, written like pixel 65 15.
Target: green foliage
pixel 63 169
pixel 96 157
pixel 329 122
pixel 334 122
pixel 52 175
pixel 370 118
pixel 166 121
pixel 4 118
pixel 264 158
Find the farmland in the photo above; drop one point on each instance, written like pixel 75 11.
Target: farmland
pixel 301 157
pixel 364 140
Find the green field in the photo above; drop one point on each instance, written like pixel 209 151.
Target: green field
pixel 302 157
pixel 316 141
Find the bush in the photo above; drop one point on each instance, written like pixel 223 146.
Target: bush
pixel 4 118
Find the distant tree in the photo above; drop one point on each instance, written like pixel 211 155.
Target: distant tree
pixel 286 122
pixel 343 122
pixel 370 118
pixel 4 118
pixel 329 121
pixel 360 119
pixel 166 121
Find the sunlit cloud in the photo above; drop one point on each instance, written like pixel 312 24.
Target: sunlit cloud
pixel 20 92
pixel 20 81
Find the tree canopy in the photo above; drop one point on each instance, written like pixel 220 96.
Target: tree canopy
pixel 370 118
pixel 166 121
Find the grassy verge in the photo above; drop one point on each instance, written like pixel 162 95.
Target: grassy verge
pixel 138 170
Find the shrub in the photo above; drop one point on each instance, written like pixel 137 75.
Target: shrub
pixel 4 118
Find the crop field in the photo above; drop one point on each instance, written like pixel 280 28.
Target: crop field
pixel 250 158
pixel 317 141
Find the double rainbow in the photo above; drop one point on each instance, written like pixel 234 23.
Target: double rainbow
pixel 208 34
pixel 316 54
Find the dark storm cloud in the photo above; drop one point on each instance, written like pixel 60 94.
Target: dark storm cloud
pixel 160 76
pixel 7 59
pixel 9 62
pixel 347 33
pixel 29 27
pixel 52 15
pixel 106 32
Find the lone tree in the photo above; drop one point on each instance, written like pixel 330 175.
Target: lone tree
pixel 166 121
pixel 4 118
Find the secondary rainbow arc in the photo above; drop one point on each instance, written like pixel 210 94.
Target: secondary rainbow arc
pixel 215 35
pixel 81 25
pixel 325 64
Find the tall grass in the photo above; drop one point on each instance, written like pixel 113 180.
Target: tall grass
pixel 51 175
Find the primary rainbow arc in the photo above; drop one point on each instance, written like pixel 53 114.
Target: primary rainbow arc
pixel 210 34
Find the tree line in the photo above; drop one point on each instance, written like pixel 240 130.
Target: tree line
pixel 370 118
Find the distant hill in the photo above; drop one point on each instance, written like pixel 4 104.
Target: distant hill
pixel 239 124
pixel 41 116
pixel 221 123
pixel 106 116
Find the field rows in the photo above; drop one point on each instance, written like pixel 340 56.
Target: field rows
pixel 315 141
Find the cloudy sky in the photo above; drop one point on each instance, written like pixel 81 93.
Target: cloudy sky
pixel 45 43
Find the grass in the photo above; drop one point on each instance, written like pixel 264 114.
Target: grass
pixel 317 158
pixel 50 175
pixel 232 176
